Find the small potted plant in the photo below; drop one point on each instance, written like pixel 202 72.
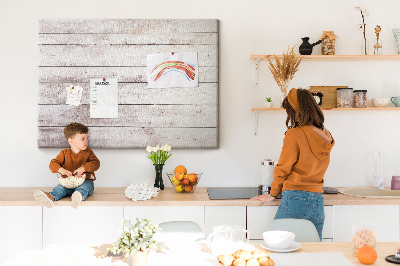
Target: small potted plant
pixel 137 240
pixel 268 102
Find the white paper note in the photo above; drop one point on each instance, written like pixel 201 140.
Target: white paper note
pixel 172 70
pixel 103 98
pixel 74 95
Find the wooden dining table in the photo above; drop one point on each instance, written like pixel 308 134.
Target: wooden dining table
pixel 84 255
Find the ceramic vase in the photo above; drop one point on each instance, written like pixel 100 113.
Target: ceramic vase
pixel 396 33
pixel 159 181
pixel 268 104
pixel 139 258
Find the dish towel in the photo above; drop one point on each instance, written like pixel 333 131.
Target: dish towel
pixel 310 259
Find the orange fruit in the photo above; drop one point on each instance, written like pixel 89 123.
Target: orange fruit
pixel 180 169
pixel 367 255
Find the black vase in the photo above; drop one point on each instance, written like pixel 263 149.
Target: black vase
pixel 159 181
pixel 306 48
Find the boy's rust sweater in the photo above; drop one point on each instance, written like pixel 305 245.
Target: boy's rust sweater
pixel 71 161
pixel 303 161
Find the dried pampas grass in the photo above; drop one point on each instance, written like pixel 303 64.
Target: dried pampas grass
pixel 283 71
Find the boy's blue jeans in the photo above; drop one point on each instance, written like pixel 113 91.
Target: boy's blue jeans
pixel 306 205
pixel 86 189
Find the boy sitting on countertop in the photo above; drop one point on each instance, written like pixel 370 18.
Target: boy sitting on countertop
pixel 75 160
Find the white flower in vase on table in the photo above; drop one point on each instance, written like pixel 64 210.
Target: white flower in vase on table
pixel 364 44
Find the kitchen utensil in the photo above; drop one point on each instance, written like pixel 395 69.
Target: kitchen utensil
pixel 306 47
pixel 185 186
pixel 377 179
pixel 395 184
pixel 364 234
pixel 220 240
pixel 396 101
pixel 240 236
pixel 380 102
pixel 266 176
pixel 360 98
pixel 344 97
pixel 392 259
pixel 295 246
pixel 279 239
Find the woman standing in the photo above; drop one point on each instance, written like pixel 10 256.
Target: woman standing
pixel 305 156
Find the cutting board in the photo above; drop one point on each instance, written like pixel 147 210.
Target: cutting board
pixel 329 98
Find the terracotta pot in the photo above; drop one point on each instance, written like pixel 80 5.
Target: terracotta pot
pixel 139 258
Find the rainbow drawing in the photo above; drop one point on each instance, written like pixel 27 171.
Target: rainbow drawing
pixel 163 68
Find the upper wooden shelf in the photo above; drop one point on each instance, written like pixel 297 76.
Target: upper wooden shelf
pixel 333 109
pixel 337 57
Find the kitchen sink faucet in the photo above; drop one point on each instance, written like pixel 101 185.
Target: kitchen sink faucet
pixel 378 179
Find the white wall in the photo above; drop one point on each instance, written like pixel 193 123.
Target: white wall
pixel 246 27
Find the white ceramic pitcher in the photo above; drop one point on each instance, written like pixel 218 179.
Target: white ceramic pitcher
pixel 220 240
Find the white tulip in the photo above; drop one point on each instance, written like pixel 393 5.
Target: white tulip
pixel 163 148
pixel 167 147
pixel 154 149
pixel 158 148
pixel 148 149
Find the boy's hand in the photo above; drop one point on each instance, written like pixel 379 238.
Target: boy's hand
pixel 63 171
pixel 263 198
pixel 80 171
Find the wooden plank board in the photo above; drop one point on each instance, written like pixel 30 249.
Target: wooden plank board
pixel 199 115
pixel 181 38
pixel 74 51
pixel 329 98
pixel 118 55
pixel 123 74
pixel 135 93
pixel 336 57
pixel 110 26
pixel 134 137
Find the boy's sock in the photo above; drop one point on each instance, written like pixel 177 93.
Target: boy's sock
pixel 44 198
pixel 76 199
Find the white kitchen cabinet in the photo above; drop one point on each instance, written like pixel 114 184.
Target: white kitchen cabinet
pixel 259 219
pixel 386 217
pixel 159 214
pixel 218 215
pixel 20 229
pixel 85 225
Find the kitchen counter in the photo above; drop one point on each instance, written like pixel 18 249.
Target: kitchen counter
pixel 23 196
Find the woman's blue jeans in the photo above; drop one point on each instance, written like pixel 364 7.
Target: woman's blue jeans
pixel 86 189
pixel 306 205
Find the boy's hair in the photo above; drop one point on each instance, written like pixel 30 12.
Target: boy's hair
pixel 309 113
pixel 73 128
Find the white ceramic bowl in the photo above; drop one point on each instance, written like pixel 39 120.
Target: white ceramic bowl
pixel 279 239
pixel 380 102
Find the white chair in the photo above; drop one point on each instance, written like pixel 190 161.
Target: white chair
pixel 178 234
pixel 304 230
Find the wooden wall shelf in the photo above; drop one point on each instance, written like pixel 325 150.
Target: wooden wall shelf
pixel 337 57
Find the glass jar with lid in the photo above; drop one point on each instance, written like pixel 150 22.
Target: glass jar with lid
pixel 266 176
pixel 344 97
pixel 360 98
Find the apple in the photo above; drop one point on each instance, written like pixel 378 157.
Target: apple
pixel 179 188
pixel 189 188
pixel 179 175
pixel 185 182
pixel 192 178
pixel 175 181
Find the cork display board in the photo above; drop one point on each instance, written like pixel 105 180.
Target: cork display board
pixel 74 51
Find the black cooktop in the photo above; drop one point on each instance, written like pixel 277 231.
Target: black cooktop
pixel 225 193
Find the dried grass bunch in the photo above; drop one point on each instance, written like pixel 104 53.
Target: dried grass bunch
pixel 283 72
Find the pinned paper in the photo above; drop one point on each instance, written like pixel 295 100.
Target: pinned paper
pixel 74 95
pixel 172 70
pixel 103 98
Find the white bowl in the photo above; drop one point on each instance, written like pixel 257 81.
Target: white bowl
pixel 380 102
pixel 72 181
pixel 279 240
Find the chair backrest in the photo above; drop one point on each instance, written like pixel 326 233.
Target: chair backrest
pixel 304 230
pixel 180 226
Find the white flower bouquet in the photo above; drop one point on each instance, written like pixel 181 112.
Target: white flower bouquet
pixel 159 155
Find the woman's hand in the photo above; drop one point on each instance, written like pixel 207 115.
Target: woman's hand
pixel 263 198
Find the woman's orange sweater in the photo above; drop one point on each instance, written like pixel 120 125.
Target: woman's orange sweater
pixel 303 161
